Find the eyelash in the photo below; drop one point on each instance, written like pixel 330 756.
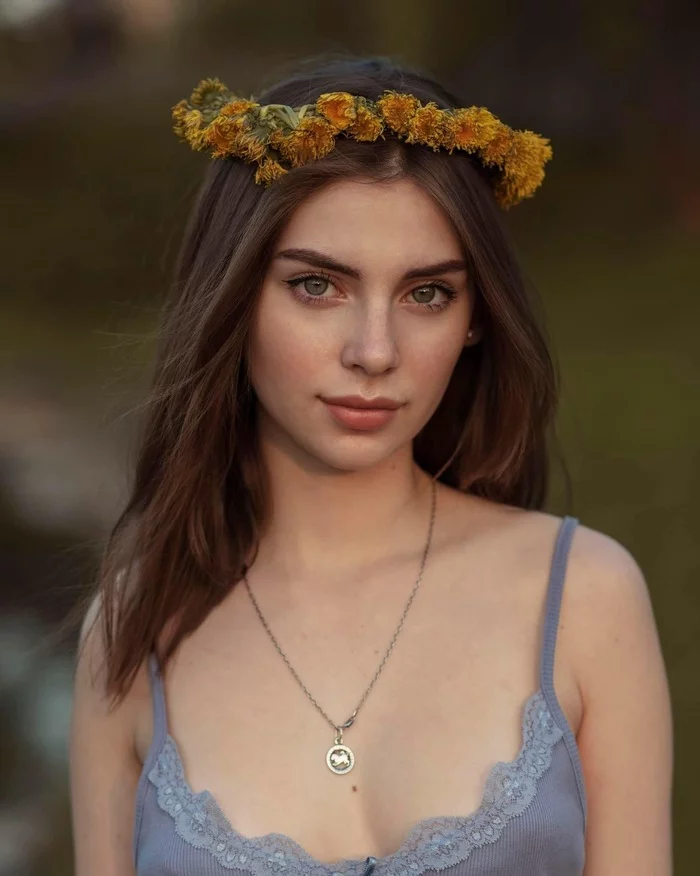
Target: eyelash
pixel 314 299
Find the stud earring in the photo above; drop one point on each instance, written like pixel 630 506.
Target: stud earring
pixel 470 333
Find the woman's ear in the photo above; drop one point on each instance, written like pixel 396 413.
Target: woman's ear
pixel 474 326
pixel 473 336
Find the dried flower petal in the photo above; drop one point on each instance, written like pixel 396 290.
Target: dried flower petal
pixel 235 136
pixel 527 156
pixel 249 147
pixel 368 126
pixel 473 127
pixel 268 171
pixel 313 138
pixel 237 106
pixel 179 112
pixel 428 126
pixel 338 107
pixel 221 134
pixel 398 110
pixel 497 149
pixel 190 126
pixel 523 168
pixel 207 89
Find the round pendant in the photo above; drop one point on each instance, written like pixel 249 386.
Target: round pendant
pixel 340 759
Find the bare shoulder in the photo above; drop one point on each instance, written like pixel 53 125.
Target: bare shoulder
pixel 610 599
pixel 602 576
pixel 104 769
pixel 607 629
pixel 90 691
pixel 609 640
pixel 607 617
pixel 626 735
pixel 605 568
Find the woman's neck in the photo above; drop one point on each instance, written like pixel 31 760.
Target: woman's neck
pixel 320 520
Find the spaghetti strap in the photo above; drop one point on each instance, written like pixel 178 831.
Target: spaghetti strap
pixel 160 730
pixel 555 588
pixel 160 715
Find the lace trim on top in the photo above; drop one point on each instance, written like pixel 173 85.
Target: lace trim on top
pixel 433 843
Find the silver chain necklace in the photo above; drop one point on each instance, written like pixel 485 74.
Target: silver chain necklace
pixel 339 758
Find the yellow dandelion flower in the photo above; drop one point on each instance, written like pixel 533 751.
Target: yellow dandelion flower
pixel 473 127
pixel 398 110
pixel 448 133
pixel 233 136
pixel 368 126
pixel 268 171
pixel 207 89
pixel 504 193
pixel 523 168
pixel 338 107
pixel 312 138
pixel 237 107
pixel 249 147
pixel 509 192
pixel 282 143
pixel 277 137
pixel 222 134
pixel 428 126
pixel 497 149
pixel 190 126
pixel 179 112
pixel 527 156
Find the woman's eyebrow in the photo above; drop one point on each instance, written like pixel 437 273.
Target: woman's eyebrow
pixel 320 260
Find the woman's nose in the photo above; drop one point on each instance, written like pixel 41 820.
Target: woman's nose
pixel 371 343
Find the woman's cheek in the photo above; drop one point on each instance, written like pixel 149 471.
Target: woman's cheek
pixel 289 355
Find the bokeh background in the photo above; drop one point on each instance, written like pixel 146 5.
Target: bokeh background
pixel 95 193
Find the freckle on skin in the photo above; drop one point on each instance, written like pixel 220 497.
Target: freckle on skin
pixel 354 787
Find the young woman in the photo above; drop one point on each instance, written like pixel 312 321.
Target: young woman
pixel 324 637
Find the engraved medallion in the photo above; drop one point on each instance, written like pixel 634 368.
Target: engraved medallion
pixel 340 759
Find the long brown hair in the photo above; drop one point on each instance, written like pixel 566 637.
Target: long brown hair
pixel 198 496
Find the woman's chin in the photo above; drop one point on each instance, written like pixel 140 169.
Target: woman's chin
pixel 354 454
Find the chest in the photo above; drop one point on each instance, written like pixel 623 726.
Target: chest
pixel 447 706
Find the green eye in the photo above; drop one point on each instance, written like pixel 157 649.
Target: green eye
pixel 427 293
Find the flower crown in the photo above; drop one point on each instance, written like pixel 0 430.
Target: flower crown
pixel 278 137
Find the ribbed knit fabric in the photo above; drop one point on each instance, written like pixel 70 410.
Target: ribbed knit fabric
pixel 531 821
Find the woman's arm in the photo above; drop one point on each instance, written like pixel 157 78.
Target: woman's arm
pixel 625 738
pixel 104 769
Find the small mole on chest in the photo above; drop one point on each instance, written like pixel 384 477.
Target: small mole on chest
pixel 354 787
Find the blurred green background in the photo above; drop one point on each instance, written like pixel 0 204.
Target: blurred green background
pixel 96 190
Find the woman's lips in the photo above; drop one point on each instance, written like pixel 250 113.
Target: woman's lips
pixel 360 419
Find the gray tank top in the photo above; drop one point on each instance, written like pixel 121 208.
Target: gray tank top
pixel 531 819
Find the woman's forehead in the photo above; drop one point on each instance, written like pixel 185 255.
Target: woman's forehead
pixel 355 220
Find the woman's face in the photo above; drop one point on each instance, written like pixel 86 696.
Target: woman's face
pixel 366 296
